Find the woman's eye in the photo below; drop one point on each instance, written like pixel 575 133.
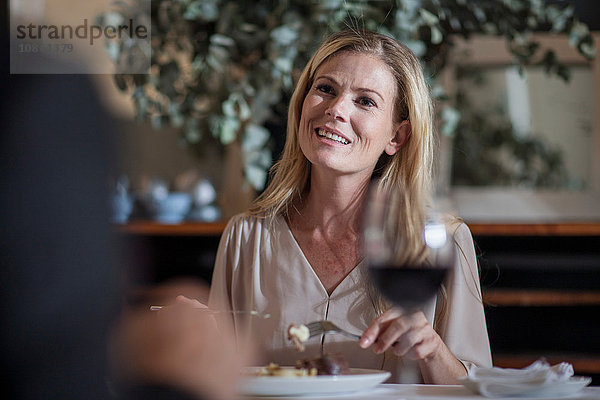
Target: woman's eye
pixel 322 87
pixel 367 102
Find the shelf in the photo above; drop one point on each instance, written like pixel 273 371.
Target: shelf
pixel 540 298
pixel 582 363
pixel 484 229
pixel 536 229
pixel 181 229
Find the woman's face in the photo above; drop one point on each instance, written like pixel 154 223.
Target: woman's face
pixel 347 116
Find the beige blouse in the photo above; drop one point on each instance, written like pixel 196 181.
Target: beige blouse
pixel 261 267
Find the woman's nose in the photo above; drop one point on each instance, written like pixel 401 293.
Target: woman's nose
pixel 338 109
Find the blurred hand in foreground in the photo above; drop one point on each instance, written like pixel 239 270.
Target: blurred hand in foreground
pixel 179 347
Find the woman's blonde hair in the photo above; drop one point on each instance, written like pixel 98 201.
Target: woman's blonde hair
pixel 407 173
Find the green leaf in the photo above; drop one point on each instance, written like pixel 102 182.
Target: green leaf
pixel 479 14
pixel 205 10
pixel 564 73
pixel 156 121
pixel 284 35
pixel 588 50
pixel 236 106
pixel 330 4
pixel 428 17
pixel 417 47
pixel 113 50
pixel 256 176
pixel 222 40
pixel 450 118
pixel 577 33
pixel 256 164
pixel 192 134
pixel 284 64
pixel 411 7
pixel 436 35
pixel 113 18
pixel 228 129
pixel 177 119
pixel 405 23
pixel 437 91
pixel 490 28
pixel 255 137
pixel 220 54
pixel 229 107
pixel 559 18
pixel 264 158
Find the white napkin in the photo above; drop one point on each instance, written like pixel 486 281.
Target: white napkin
pixel 505 382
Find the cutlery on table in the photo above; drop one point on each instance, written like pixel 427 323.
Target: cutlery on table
pixel 208 310
pixel 317 328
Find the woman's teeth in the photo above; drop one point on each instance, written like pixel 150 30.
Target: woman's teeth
pixel 332 136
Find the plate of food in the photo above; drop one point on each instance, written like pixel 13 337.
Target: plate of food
pixel 292 381
pixel 323 374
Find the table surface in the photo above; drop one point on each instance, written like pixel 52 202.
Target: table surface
pixel 424 392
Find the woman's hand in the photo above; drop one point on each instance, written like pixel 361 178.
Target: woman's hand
pixel 182 300
pixel 178 346
pixel 410 335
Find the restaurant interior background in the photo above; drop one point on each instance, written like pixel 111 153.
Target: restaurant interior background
pixel 537 234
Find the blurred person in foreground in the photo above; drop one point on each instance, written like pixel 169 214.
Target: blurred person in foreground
pixel 361 109
pixel 176 352
pixel 61 286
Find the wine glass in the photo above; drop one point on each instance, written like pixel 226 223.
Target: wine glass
pixel 407 262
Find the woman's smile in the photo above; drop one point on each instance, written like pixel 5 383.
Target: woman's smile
pixel 332 135
pixel 347 118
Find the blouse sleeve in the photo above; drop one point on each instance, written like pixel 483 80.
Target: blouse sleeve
pixel 460 321
pixel 221 283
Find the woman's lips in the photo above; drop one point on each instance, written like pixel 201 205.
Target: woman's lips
pixel 332 135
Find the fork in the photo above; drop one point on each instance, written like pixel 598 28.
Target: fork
pixel 321 327
pixel 208 310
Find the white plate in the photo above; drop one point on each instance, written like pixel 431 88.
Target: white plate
pixel 551 389
pixel 358 379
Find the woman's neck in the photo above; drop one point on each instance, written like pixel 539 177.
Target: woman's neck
pixel 332 203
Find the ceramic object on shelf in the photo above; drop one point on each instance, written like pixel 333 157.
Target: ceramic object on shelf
pixel 121 205
pixel 172 208
pixel 208 213
pixel 204 193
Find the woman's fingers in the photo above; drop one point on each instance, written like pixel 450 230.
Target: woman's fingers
pixel 396 330
pixel 191 302
pixel 406 342
pixel 379 324
pixel 424 350
pixel 410 335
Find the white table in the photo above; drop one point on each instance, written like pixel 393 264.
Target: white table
pixel 424 392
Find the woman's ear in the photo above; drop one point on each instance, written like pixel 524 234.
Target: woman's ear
pixel 401 134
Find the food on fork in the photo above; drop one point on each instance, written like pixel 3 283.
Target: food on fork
pixel 298 334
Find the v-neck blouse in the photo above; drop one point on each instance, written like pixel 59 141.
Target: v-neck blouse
pixel 260 266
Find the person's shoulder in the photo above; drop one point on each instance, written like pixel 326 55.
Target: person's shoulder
pixel 245 219
pixel 246 222
pixel 459 229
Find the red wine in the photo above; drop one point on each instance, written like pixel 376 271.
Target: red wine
pixel 407 287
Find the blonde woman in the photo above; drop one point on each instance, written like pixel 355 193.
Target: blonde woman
pixel 361 108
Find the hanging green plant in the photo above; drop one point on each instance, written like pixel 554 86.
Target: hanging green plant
pixel 222 70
